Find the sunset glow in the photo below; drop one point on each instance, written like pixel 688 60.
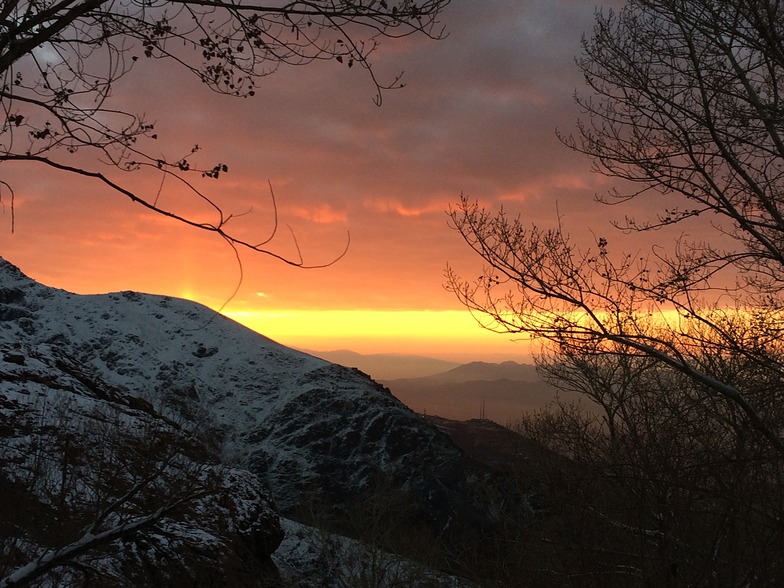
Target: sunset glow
pixel 449 334
pixel 477 116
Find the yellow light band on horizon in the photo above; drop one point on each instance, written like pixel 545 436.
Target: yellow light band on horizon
pixel 376 331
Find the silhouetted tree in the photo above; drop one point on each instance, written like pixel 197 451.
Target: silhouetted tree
pixel 686 100
pixel 680 347
pixel 672 478
pixel 60 61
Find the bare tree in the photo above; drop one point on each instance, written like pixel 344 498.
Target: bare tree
pixel 106 493
pixel 679 347
pixel 685 100
pixel 678 486
pixel 94 537
pixel 61 59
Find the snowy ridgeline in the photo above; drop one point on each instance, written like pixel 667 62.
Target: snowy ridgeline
pixel 123 406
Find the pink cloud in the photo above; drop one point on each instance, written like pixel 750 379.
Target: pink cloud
pixel 321 213
pixel 392 206
pixel 478 115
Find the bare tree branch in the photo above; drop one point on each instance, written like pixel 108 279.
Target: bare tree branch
pixel 60 61
pixel 685 100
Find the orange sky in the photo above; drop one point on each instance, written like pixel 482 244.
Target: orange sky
pixel 478 115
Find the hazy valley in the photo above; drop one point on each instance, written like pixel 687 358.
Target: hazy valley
pixel 502 392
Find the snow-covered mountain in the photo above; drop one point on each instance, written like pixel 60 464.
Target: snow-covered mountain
pixel 96 479
pixel 308 429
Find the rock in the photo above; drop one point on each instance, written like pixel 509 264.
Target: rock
pixel 73 446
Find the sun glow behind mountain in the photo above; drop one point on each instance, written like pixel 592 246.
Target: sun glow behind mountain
pixel 447 334
pixel 477 116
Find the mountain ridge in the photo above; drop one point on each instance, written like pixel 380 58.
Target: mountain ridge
pixel 386 366
pixel 304 426
pixel 479 371
pixel 252 387
pixel 503 392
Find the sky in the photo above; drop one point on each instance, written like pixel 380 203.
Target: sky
pixel 478 115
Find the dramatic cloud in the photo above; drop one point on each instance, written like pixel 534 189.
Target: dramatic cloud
pixel 478 116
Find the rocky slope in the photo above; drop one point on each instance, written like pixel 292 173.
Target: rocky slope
pixel 309 430
pixel 95 477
